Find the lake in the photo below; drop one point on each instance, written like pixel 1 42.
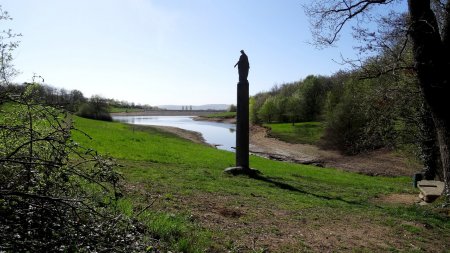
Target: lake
pixel 221 134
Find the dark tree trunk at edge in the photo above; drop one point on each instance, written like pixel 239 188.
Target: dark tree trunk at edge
pixel 432 65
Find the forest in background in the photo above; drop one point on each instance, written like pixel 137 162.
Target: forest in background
pixel 361 112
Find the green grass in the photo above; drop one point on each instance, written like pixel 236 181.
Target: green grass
pixel 223 115
pixel 184 177
pixel 305 132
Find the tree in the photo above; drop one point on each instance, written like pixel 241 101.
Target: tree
pixel 268 110
pixel 428 28
pixel 232 108
pixel 76 99
pixel 252 111
pixel 313 92
pixel 95 108
pixel 8 42
pixel 293 108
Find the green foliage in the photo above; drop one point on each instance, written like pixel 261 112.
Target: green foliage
pixel 253 117
pixel 232 108
pixel 363 115
pixel 305 132
pixel 361 119
pixel 359 115
pixel 300 101
pixel 95 108
pixel 345 123
pixel 54 194
pixel 8 42
pixel 221 115
pixel 312 92
pixel 294 107
pixel 268 110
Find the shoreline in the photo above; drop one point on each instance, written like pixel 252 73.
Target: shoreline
pixel 193 136
pixel 219 120
pixel 375 163
pixel 165 113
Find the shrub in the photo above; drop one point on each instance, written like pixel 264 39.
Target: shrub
pixel 96 108
pixel 359 120
pixel 54 194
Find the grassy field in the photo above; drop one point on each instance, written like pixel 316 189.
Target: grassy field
pixel 222 115
pixel 195 207
pixel 304 132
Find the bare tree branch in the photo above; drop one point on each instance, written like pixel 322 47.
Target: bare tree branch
pixel 328 18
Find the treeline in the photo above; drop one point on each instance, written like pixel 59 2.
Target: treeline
pixel 360 114
pixel 95 107
pixel 291 102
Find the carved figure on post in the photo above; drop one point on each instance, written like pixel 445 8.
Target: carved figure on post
pixel 243 66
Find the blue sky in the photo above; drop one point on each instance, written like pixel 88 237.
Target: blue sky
pixel 166 51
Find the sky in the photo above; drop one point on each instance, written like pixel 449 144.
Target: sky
pixel 161 52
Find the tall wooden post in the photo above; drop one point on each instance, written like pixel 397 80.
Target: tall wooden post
pixel 242 125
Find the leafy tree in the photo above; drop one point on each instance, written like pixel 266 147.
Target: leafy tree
pixel 293 108
pixel 253 111
pixel 279 113
pixel 362 119
pixel 8 42
pixel 268 110
pixel 428 28
pixel 259 99
pixel 232 108
pixel 96 108
pixel 313 92
pixel 76 99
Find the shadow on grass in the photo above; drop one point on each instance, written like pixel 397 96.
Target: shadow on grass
pixel 289 187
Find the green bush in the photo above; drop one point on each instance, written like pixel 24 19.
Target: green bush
pixel 96 108
pixel 359 120
pixel 56 195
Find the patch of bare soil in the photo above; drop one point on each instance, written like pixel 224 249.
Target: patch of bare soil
pixel 253 225
pixel 403 199
pixel 376 163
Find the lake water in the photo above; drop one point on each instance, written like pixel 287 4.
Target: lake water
pixel 221 134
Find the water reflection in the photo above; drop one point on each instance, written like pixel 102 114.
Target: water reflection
pixel 222 135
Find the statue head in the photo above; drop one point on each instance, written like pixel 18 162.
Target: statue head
pixel 242 51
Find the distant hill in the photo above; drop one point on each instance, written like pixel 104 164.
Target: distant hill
pixel 196 107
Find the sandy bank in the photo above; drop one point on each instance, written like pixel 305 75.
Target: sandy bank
pixel 193 136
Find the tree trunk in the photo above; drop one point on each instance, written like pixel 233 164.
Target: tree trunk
pixel 432 66
pixel 429 146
